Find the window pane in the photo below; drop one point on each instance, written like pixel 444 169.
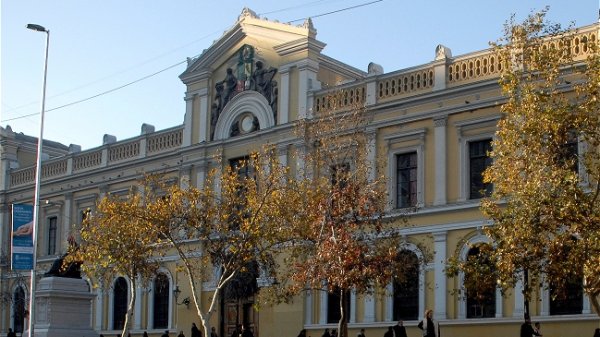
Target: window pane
pixel 19 310
pixel 161 302
pixel 569 300
pixel 333 306
pixel 479 161
pixel 52 235
pixel 120 303
pixel 406 180
pixel 406 288
pixel 480 303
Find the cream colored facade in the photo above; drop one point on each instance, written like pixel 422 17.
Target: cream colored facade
pixel 433 111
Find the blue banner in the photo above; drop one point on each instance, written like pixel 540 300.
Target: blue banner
pixel 22 237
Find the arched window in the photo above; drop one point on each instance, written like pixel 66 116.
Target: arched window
pixel 161 302
pixel 406 288
pixel 120 293
pixel 333 306
pixel 19 310
pixel 568 298
pixel 480 285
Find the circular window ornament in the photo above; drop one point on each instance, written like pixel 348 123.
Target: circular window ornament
pixel 247 123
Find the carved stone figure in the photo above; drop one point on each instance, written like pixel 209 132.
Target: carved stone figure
pixel 262 80
pixel 71 270
pixel 214 116
pixel 230 84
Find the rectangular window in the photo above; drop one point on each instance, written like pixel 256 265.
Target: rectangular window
pixel 406 180
pixel 339 174
pixel 569 153
pixel 52 224
pixel 479 161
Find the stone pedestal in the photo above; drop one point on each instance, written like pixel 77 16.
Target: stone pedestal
pixel 63 308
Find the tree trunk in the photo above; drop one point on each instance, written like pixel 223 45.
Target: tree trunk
pixel 129 314
pixel 526 289
pixel 342 326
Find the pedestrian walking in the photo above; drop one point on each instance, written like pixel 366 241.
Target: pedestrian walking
pixel 430 327
pixel 195 331
pixel 400 329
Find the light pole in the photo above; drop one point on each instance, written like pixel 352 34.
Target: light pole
pixel 38 180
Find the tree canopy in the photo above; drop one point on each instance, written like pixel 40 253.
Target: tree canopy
pixel 546 160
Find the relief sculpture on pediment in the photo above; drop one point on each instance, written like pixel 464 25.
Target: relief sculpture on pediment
pixel 247 75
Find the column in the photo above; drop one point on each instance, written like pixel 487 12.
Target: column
pixel 66 219
pixel 185 174
pixel 371 148
pixel 308 308
pixel 307 74
pixel 282 155
pixel 137 311
pixel 284 96
pixel 99 308
pixel 369 308
pixel 323 303
pixel 352 313
pixel 187 120
pixel 201 171
pixel 519 307
pixel 204 125
pixel 440 160
pixel 439 239
pixel 389 303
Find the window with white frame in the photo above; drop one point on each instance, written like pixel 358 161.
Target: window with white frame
pixel 568 298
pixel 481 302
pixel 406 288
pixel 52 233
pixel 333 305
pixel 406 154
pixel 479 161
pixel 161 295
pixel 406 179
pixel 18 306
pixel 474 143
pixel 120 295
pixel 477 303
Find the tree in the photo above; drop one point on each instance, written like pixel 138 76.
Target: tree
pixel 115 244
pixel 546 160
pixel 232 224
pixel 343 244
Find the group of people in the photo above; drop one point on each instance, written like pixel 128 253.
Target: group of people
pixel 195 332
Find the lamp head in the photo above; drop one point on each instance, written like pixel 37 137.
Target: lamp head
pixel 37 28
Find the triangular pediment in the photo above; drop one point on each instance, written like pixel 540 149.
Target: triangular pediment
pixel 248 30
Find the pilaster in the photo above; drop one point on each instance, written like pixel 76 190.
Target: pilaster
pixel 284 96
pixel 440 245
pixel 440 159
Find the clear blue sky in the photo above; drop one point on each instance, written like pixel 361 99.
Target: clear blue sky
pixel 98 45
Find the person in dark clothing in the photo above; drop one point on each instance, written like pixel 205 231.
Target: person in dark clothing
pixel 195 331
pixel 11 333
pixel 144 335
pixel 429 326
pixel 237 332
pixel 400 330
pixel 361 333
pixel 181 334
pixel 246 331
pixel 213 332
pixel 597 332
pixel 527 330
pixel 166 334
pixel 326 333
pixel 389 333
pixel 302 333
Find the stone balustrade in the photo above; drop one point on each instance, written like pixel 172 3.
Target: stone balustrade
pixel 140 147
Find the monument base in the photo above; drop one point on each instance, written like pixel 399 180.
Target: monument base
pixel 63 308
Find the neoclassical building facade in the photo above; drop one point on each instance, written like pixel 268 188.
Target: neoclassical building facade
pixel 432 125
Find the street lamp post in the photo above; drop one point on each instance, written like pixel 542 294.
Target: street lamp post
pixel 38 179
